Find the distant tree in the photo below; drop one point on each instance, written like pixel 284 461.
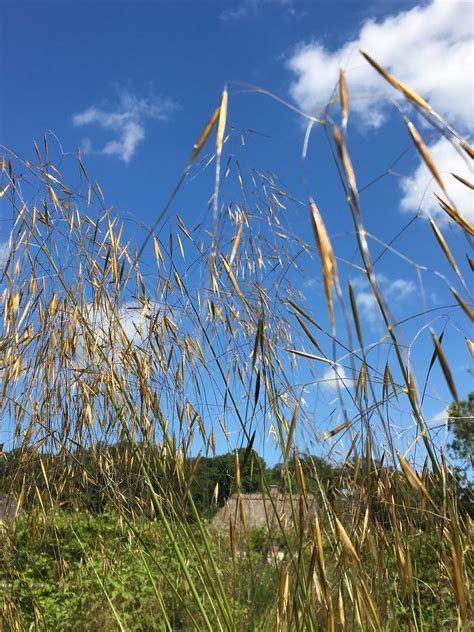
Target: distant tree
pixel 319 473
pixel 461 418
pixel 220 471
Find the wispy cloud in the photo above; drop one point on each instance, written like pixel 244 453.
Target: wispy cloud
pixel 439 423
pixel 336 377
pixel 397 289
pixel 440 419
pixel 251 8
pixel 130 317
pixel 126 121
pixel 430 47
pixel 128 324
pixel 4 252
pixel 234 14
pixel 418 191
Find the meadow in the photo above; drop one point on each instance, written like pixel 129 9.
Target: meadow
pixel 124 380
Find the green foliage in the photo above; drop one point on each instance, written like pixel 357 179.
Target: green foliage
pixel 97 465
pixel 461 418
pixel 220 470
pixel 431 600
pixel 320 475
pixel 56 571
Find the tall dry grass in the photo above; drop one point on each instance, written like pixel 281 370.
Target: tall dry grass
pixel 99 346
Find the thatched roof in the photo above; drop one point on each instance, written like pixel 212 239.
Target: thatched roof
pixel 256 511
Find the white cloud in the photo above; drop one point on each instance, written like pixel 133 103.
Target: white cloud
pixel 127 121
pixel 398 290
pixel 440 419
pixel 116 331
pixel 336 377
pixel 132 134
pixel 418 191
pixel 251 8
pixel 4 252
pixel 129 317
pixel 86 145
pixel 439 423
pixel 368 305
pixel 429 47
pixel 233 15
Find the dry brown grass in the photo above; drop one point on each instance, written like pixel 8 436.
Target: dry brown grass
pixel 99 347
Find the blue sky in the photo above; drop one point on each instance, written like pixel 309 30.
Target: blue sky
pixel 132 84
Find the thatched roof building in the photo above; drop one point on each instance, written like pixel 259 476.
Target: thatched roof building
pixel 256 511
